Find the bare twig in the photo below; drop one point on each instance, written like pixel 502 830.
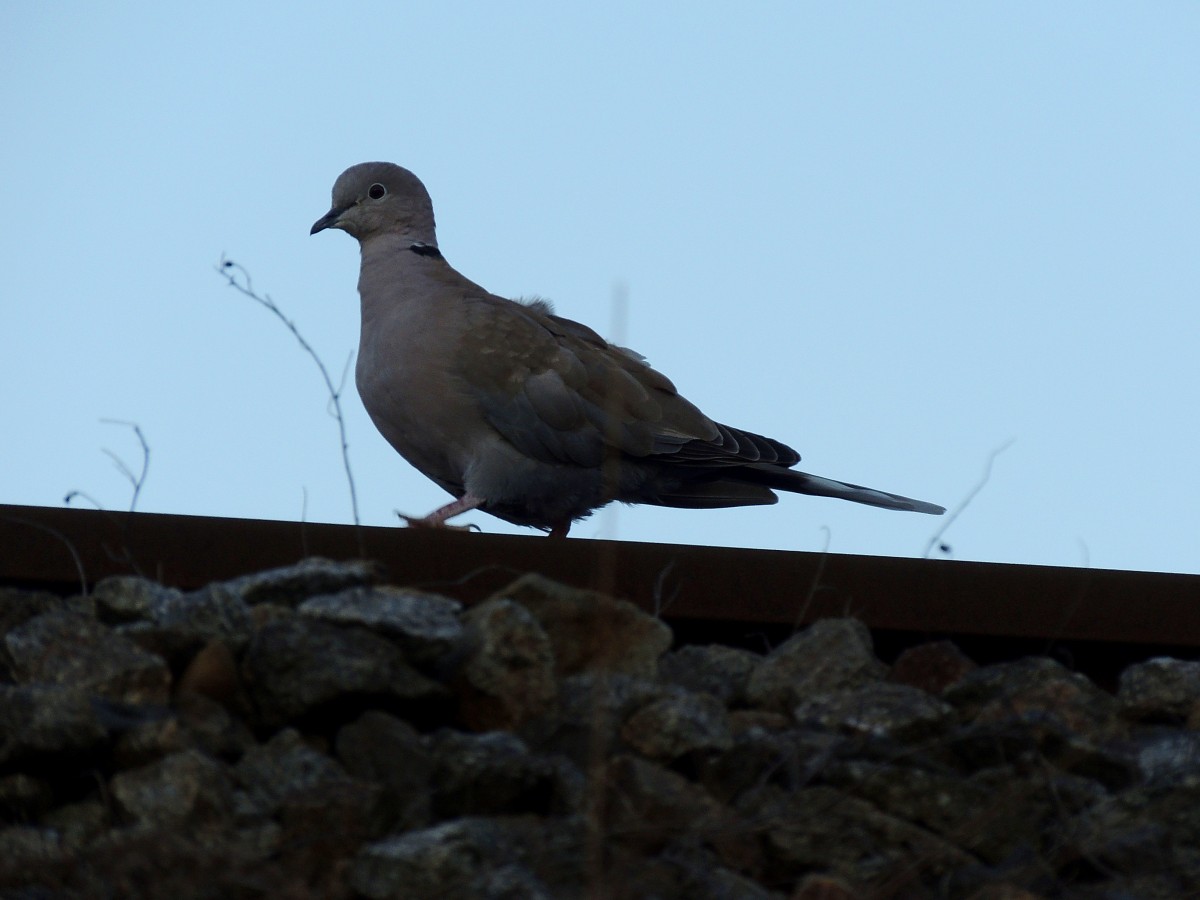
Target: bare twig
pixel 71 495
pixel 136 480
pixel 987 474
pixel 239 279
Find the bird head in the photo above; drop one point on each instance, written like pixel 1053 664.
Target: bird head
pixel 380 198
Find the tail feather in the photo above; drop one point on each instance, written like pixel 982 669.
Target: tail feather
pixel 803 483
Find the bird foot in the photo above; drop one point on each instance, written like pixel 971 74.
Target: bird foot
pixel 432 522
pixel 437 518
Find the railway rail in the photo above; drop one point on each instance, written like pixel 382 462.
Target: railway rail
pixel 1096 620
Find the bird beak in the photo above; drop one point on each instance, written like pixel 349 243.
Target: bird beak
pixel 329 220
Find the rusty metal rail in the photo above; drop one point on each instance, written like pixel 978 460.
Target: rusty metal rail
pixel 60 548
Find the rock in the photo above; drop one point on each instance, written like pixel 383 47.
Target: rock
pixel 590 631
pixel 646 807
pixel 329 737
pixel 877 709
pixel 283 768
pixel 831 654
pixel 176 626
pixel 186 788
pixel 1142 842
pixel 823 829
pixel 741 720
pixel 495 773
pixel 426 626
pixel 25 849
pixel 292 585
pixel 678 723
pixel 23 797
pixel 591 709
pixel 452 860
pixel 79 824
pixel 932 667
pixel 1161 690
pixel 17 606
pixel 195 723
pixel 994 813
pixel 213 673
pixel 128 598
pixel 384 750
pixel 1169 759
pixel 723 672
pixel 507 675
pixel 790 759
pixel 824 887
pixel 1035 688
pixel 39 723
pixel 299 667
pixel 71 648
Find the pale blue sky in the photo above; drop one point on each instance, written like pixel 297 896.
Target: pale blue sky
pixel 895 236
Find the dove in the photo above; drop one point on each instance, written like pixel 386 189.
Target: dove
pixel 524 414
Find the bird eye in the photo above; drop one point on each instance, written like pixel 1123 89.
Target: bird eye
pixel 376 191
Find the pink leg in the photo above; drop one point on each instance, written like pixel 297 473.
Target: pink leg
pixel 437 518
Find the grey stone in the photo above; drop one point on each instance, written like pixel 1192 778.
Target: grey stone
pixel 70 648
pixel 713 669
pixel 39 721
pixel 823 829
pixel 291 585
pixel 676 724
pixel 184 788
pixel 442 861
pixel 297 666
pixel 507 675
pixel 1161 689
pixel 1032 688
pixel 23 797
pixel 283 767
pixel 1170 759
pixel 176 625
pixel 877 709
pixel 831 654
pixel 127 598
pixel 495 773
pixel 590 631
pixel 426 626
pixel 384 750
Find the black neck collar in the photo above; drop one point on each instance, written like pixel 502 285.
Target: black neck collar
pixel 423 249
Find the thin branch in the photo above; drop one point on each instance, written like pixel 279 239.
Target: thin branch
pixel 71 495
pixel 239 279
pixel 136 480
pixel 987 474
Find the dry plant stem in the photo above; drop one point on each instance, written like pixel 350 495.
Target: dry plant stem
pixel 62 539
pixel 136 480
pixel 816 580
pixel 987 474
pixel 239 279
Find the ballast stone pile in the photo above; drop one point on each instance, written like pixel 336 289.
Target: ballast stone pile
pixel 312 731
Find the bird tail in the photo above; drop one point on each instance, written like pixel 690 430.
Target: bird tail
pixel 803 483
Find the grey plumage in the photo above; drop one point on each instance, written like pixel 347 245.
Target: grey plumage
pixel 524 414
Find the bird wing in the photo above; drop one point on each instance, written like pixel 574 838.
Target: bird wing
pixel 561 393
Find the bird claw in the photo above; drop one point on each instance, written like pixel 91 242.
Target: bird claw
pixel 432 522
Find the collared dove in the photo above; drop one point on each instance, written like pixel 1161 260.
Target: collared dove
pixel 521 413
